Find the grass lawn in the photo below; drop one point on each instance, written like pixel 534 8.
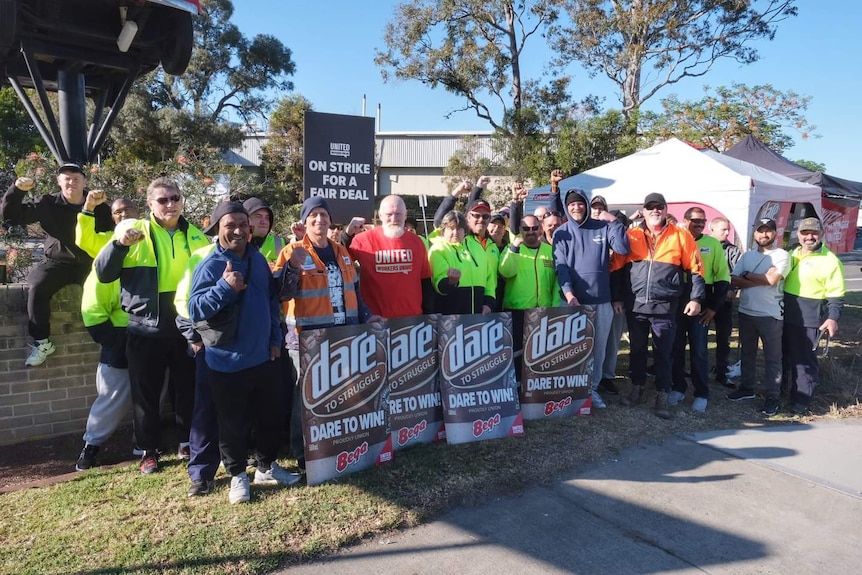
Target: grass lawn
pixel 116 521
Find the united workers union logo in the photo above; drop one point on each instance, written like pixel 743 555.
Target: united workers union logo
pixel 558 344
pixel 344 375
pixel 412 358
pixel 476 355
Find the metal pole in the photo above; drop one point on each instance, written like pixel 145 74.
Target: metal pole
pixel 73 114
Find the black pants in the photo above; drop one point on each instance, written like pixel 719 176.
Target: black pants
pixel 800 359
pixel 244 398
pixel 723 328
pixel 46 279
pixel 150 358
pixel 518 341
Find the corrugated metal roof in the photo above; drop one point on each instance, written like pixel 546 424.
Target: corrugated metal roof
pixel 394 149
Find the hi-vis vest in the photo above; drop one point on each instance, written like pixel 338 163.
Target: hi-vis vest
pixel 311 306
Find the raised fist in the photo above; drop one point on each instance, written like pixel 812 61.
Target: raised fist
pixel 556 176
pixel 131 236
pixel 25 184
pixel 484 182
pixel 93 199
pixel 298 230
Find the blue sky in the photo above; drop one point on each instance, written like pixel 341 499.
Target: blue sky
pixel 816 54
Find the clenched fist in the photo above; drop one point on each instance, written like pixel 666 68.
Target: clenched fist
pixel 556 177
pixel 454 276
pixel 25 184
pixel 93 199
pixel 131 236
pixel 298 257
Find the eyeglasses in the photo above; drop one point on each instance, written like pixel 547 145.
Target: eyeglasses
pixel 654 207
pixel 173 199
pixel 480 216
pixel 529 228
pixel 552 215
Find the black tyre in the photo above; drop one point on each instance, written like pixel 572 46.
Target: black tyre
pixel 177 49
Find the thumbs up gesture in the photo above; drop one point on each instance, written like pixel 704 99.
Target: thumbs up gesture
pixel 233 279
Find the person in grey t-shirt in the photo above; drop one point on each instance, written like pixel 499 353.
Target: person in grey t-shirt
pixel 759 274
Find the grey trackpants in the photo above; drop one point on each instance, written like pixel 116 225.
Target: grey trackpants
pixel 113 403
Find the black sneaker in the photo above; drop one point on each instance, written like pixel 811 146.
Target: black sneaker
pixel 740 395
pixel 149 462
pixel 87 459
pixel 198 488
pixel 770 406
pixel 800 409
pixel 608 387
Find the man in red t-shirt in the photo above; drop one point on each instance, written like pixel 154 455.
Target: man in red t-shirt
pixel 394 273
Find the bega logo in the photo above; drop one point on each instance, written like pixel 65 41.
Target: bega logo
pixel 490 342
pixel 481 427
pixel 344 375
pixel 347 458
pixel 406 434
pixel 553 407
pixel 412 357
pixel 557 344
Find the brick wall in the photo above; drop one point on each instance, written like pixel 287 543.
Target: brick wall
pixel 55 397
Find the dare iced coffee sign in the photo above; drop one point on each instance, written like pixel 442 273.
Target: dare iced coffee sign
pixel 477 383
pixel 557 362
pixel 415 407
pixel 344 390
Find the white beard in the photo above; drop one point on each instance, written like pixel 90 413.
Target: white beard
pixel 393 231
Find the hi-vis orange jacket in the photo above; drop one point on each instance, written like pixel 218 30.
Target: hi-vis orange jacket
pixel 309 305
pixel 658 266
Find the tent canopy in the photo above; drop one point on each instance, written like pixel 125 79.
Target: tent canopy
pixel 752 150
pixel 682 174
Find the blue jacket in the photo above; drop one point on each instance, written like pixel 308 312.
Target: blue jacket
pixel 258 308
pixel 582 257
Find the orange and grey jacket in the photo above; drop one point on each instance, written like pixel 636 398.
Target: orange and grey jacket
pixel 658 266
pixel 305 291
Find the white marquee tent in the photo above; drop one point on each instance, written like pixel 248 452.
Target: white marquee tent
pixel 682 173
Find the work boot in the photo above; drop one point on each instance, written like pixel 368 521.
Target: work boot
pixel 662 408
pixel 637 395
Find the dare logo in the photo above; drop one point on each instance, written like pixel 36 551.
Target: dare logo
pixel 412 357
pixel 344 375
pixel 557 344
pixel 481 349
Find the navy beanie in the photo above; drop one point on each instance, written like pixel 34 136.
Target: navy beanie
pixel 310 204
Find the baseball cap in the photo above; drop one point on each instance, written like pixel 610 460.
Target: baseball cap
pixel 71 167
pixel 654 198
pixel 810 224
pixel 479 206
pixel 769 223
pixel 498 217
pixel 599 200
pixel 254 204
pixel 222 209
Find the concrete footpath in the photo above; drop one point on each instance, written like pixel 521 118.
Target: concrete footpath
pixel 783 499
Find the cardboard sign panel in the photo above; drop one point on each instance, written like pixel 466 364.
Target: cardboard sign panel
pixel 344 394
pixel 558 362
pixel 477 380
pixel 339 164
pixel 415 406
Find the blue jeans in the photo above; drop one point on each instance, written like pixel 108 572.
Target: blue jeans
pixel 690 330
pixel 203 436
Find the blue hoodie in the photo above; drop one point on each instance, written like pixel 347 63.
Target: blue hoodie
pixel 259 308
pixel 582 255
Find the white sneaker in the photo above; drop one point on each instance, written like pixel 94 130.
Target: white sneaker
pixel 598 402
pixel 699 404
pixel 39 352
pixel 675 397
pixel 240 490
pixel 276 475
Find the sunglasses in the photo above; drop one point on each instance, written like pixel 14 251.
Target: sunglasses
pixel 529 228
pixel 173 199
pixel 654 207
pixel 480 216
pixel 552 215
pixel 697 220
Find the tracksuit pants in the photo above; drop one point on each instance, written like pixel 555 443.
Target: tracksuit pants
pixel 800 356
pixel 45 280
pixel 612 349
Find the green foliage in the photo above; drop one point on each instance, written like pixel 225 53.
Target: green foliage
pixel 666 40
pixel 585 143
pixel 18 135
pixel 471 48
pixel 720 119
pixel 811 165
pixel 229 77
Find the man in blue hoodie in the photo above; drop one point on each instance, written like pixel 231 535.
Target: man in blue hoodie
pixel 244 376
pixel 582 259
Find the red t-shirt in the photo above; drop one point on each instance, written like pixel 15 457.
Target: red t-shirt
pixel 391 271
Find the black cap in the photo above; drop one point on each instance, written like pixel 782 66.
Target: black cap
pixel 253 205
pixel 769 223
pixel 575 193
pixel 71 167
pixel 599 200
pixel 479 206
pixel 222 209
pixel 498 217
pixel 654 198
